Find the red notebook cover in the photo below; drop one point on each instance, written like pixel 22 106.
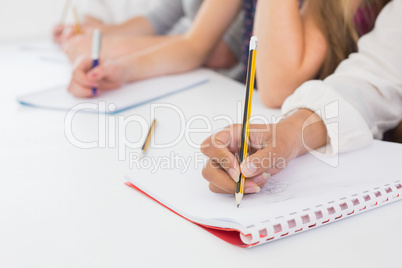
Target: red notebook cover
pixel 231 236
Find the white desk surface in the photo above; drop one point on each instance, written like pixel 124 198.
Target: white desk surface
pixel 61 206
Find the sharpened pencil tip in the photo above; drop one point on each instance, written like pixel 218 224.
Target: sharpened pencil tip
pixel 238 198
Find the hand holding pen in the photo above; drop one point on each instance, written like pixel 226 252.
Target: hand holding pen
pixel 91 75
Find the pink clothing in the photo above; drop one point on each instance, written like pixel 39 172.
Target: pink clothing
pixel 364 19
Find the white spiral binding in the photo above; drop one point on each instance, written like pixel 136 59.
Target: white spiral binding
pixel 265 231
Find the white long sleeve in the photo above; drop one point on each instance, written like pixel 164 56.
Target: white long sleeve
pixel 363 98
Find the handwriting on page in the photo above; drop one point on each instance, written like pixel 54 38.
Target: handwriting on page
pixel 274 191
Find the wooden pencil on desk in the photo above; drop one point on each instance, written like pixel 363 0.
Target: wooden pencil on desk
pixel 148 139
pixel 77 26
pixel 246 115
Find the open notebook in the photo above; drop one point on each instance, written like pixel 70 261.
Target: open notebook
pixel 304 196
pixel 126 97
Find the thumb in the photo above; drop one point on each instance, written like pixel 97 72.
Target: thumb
pixel 263 161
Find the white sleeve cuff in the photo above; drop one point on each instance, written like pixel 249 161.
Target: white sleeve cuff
pixel 346 128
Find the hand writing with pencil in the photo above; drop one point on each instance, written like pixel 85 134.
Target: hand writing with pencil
pixel 63 33
pixel 271 147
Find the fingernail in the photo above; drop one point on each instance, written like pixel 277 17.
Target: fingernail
pixel 234 174
pixel 249 169
pixel 262 178
pixel 93 75
pixel 252 190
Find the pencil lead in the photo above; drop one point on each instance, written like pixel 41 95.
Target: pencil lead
pixel 238 205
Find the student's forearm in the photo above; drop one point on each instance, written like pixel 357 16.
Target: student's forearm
pixel 311 130
pixel 174 56
pixel 138 26
pixel 92 21
pixel 119 46
pixel 189 51
pixel 287 36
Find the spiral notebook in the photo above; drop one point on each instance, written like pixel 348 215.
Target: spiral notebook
pixel 308 194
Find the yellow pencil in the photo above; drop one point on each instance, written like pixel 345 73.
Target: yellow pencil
pixel 246 115
pixel 148 139
pixel 77 25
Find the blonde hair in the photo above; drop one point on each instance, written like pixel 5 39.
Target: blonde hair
pixel 336 21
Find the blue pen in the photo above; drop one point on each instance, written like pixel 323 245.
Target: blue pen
pixel 96 46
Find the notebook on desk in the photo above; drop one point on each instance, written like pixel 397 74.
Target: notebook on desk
pixel 307 194
pixel 115 101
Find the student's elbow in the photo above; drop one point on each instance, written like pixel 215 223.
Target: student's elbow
pixel 273 96
pixel 193 54
pixel 221 57
pixel 272 101
pixel 274 91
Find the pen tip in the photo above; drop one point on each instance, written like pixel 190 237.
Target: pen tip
pixel 238 205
